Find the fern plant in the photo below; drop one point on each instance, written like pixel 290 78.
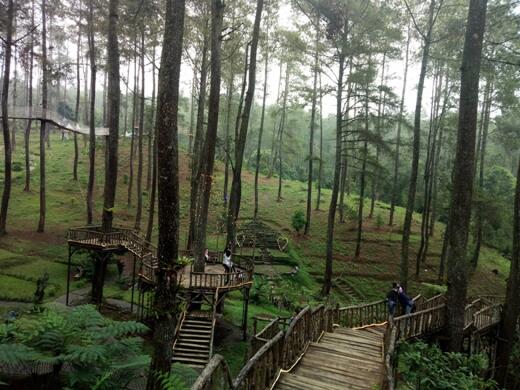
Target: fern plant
pixel 97 352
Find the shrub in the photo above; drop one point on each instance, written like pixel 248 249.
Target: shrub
pixel 98 352
pixel 298 220
pixel 426 367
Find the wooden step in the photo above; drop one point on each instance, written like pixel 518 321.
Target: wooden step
pixel 189 360
pixel 191 344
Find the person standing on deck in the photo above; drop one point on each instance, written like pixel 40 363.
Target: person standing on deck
pixel 227 263
pixel 392 297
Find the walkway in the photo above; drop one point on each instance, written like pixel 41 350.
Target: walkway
pixel 93 238
pixel 345 359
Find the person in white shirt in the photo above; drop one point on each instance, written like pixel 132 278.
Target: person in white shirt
pixel 227 262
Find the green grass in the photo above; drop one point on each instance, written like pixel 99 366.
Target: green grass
pixel 15 289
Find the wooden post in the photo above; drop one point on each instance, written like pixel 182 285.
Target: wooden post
pixel 68 277
pixel 133 287
pixel 244 319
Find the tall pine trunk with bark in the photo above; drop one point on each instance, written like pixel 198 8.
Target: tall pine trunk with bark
pixel 27 133
pixel 76 110
pixel 311 135
pixel 460 213
pixel 165 303
pixel 153 193
pixel 207 163
pixel 6 194
pixel 240 143
pixel 92 117
pixel 262 121
pixel 113 96
pixel 410 205
pixel 140 141
pixel 327 277
pixel 45 80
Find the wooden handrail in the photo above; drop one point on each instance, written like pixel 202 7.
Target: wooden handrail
pixel 261 370
pixel 361 315
pixel 215 375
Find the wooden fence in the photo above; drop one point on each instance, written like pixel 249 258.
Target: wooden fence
pixel 361 315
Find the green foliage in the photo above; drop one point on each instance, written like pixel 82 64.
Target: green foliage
pixel 99 352
pixel 298 220
pixel 426 367
pixel 379 222
pixel 259 291
pixel 171 381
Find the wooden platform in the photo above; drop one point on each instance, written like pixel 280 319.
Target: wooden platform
pixel 345 359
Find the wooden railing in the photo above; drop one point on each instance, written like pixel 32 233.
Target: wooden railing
pixel 261 370
pixel 434 301
pixel 226 280
pixel 487 317
pixel 420 323
pixel 266 334
pixel 215 376
pixel 361 315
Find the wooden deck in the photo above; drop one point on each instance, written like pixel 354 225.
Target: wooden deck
pixel 345 359
pixel 123 239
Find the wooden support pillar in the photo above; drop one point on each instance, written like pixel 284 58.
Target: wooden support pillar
pixel 244 316
pixel 98 279
pixel 133 288
pixel 68 277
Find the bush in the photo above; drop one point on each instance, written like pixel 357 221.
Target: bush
pixel 427 367
pixel 298 220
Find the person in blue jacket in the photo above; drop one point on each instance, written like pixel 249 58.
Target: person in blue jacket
pixel 405 301
pixel 392 298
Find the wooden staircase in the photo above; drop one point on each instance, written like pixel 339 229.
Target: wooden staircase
pixel 348 359
pixel 193 345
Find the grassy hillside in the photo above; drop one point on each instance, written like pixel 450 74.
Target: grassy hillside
pixel 26 255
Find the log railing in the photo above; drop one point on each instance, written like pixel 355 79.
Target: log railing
pixel 215 376
pixel 487 317
pixel 420 323
pixel 361 315
pixel 262 369
pixel 226 280
pixel 434 301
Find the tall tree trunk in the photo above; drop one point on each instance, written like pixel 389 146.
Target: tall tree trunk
pixel 236 185
pixel 113 96
pixel 311 135
pixel 92 119
pixel 104 99
pixel 208 151
pixel 27 134
pixel 134 119
pixel 262 119
pixel 15 92
pixel 460 214
pixel 150 133
pixel 140 142
pixel 227 141
pixel 395 187
pixel 380 114
pixel 76 110
pixel 482 157
pixel 6 194
pixel 320 170
pixel 45 78
pixel 281 131
pixel 199 137
pixel 165 305
pixel 511 312
pixel 275 133
pixel 192 109
pixel 153 193
pixel 126 101
pixel 327 277
pixel 363 175
pixel 407 227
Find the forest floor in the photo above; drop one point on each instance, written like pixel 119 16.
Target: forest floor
pixel 25 255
